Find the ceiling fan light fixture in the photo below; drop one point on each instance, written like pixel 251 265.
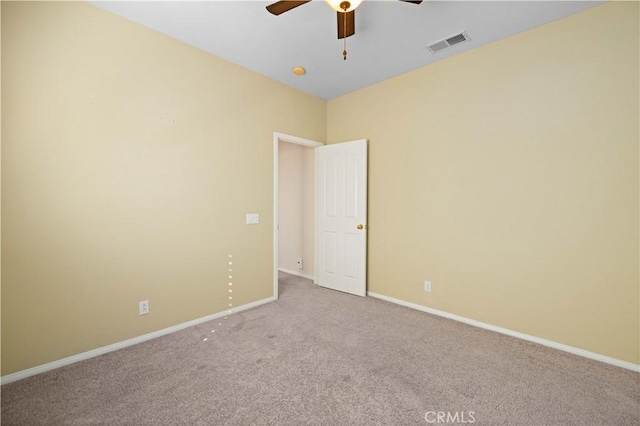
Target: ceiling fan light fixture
pixel 343 5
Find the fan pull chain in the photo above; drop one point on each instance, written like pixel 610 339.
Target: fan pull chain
pixel 344 51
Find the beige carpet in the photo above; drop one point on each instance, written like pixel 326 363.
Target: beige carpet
pixel 320 357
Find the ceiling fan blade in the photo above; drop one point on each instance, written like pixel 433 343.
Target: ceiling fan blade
pixel 412 1
pixel 284 6
pixel 350 18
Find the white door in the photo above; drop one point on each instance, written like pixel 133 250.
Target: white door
pixel 341 216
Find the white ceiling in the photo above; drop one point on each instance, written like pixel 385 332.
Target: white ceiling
pixel 391 36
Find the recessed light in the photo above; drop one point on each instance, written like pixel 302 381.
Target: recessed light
pixel 299 70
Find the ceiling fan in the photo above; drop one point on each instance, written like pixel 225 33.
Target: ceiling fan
pixel 344 9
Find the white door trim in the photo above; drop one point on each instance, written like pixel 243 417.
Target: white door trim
pixel 277 138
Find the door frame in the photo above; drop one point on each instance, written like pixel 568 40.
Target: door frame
pixel 277 138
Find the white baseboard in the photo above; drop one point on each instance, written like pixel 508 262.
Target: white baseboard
pixel 297 274
pixel 545 342
pixel 125 343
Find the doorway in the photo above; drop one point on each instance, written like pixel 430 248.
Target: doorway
pixel 293 205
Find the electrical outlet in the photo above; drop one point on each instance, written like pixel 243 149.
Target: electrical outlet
pixel 427 286
pixel 143 307
pixel 299 262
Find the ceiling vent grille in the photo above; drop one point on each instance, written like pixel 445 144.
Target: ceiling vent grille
pixel 449 42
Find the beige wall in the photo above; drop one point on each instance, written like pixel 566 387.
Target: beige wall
pixel 0 185
pixel 308 211
pixel 129 161
pixel 295 207
pixel 508 176
pixel 289 205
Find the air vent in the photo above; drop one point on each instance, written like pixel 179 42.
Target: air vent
pixel 449 42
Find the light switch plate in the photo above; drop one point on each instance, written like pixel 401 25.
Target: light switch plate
pixel 253 218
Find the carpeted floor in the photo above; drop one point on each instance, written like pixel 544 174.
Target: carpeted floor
pixel 320 357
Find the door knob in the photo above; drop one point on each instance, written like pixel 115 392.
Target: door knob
pixel 360 226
